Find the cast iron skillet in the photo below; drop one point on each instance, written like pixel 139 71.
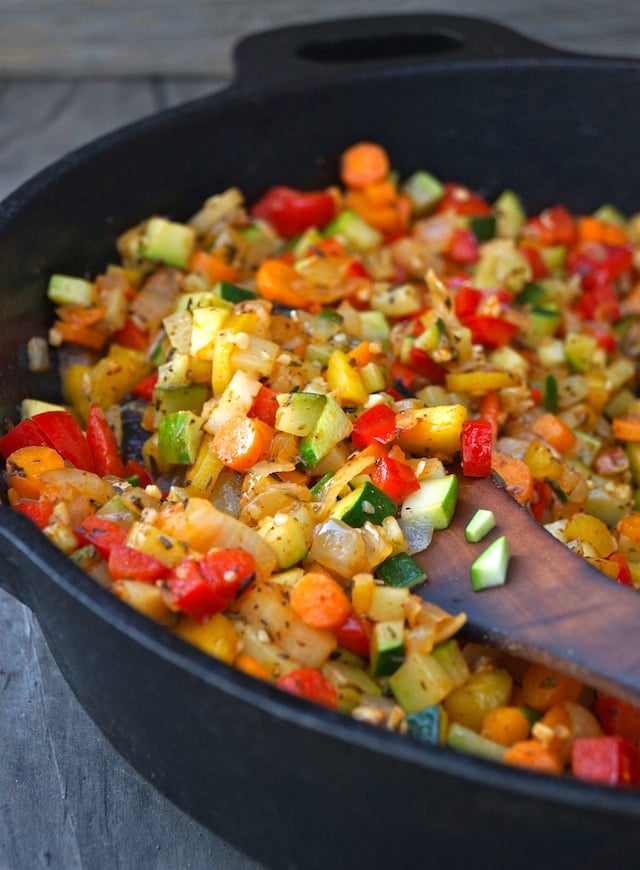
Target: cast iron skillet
pixel 291 784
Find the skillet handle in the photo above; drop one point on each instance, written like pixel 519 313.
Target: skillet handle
pixel 339 48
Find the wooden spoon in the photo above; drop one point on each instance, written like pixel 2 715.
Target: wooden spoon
pixel 555 608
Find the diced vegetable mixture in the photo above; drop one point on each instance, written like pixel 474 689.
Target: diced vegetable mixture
pixel 264 412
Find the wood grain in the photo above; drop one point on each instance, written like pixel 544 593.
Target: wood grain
pixel 168 37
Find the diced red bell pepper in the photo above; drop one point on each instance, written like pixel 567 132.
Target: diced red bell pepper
pixel 593 260
pixel 144 390
pixel 128 563
pixel 204 587
pixel 466 301
pixel 539 268
pixel 541 498
pixel 311 684
pixel 618 717
pixel 376 424
pixel 38 511
pixel 463 247
pixel 425 366
pixel 265 405
pixel 24 434
pixel 403 379
pixel 292 211
pixel 355 635
pixel 599 303
pixel 395 479
pixel 476 444
pixel 463 201
pixel 624 572
pixel 135 469
pixel 132 336
pixel 553 226
pixel 610 760
pixel 102 533
pixel 103 445
pixel 490 331
pixel 66 436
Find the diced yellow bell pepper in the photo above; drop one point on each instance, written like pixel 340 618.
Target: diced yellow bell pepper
pixel 590 530
pixel 362 592
pixel 221 370
pixel 201 477
pixel 217 636
pixel 542 462
pixel 154 542
pixel 479 382
pixel 115 375
pixel 75 382
pixel 344 379
pixel 435 429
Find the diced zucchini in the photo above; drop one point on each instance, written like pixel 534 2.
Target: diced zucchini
pixel 356 232
pixel 167 241
pixel 579 348
pixel 490 568
pixel 387 603
pixel 511 214
pixel 332 426
pixel 374 326
pixel 435 501
pixel 288 534
pixel 543 322
pixel 233 293
pixel 465 740
pixel 364 504
pixel 449 655
pixel 68 290
pixel 31 407
pixel 420 681
pixel 387 647
pixel 479 525
pixel 483 227
pixel 299 412
pixel 190 398
pixel 424 191
pixel 179 437
pixel 401 570
pixel 427 724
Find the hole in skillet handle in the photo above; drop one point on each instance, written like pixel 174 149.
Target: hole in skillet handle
pixel 395 46
pixel 343 47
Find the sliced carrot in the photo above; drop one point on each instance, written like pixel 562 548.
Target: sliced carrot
pixel 320 601
pixel 76 333
pixel 388 217
pixel 241 442
pixel 490 410
pixel 26 465
pixel 516 475
pixel 534 755
pixel 629 526
pixel 361 354
pixel 542 688
pixel 555 432
pixel 278 281
pixel 505 725
pixel 591 229
pixel 250 665
pixel 81 316
pixel 626 428
pixel 212 266
pixel 364 163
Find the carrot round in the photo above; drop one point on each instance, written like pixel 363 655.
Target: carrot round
pixel 26 465
pixel 364 163
pixel 250 665
pixel 516 475
pixel 320 601
pixel 505 725
pixel 542 688
pixel 242 441
pixel 592 229
pixel 212 266
pixel 555 432
pixel 626 428
pixel 534 755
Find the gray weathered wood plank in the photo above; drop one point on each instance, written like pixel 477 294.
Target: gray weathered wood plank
pixel 170 37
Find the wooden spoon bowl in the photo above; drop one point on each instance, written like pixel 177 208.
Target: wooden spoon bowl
pixel 555 607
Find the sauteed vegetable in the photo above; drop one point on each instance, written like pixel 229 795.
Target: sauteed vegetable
pixel 264 412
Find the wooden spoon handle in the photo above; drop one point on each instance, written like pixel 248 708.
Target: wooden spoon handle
pixel 555 608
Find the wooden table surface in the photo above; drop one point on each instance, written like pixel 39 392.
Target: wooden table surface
pixel 70 71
